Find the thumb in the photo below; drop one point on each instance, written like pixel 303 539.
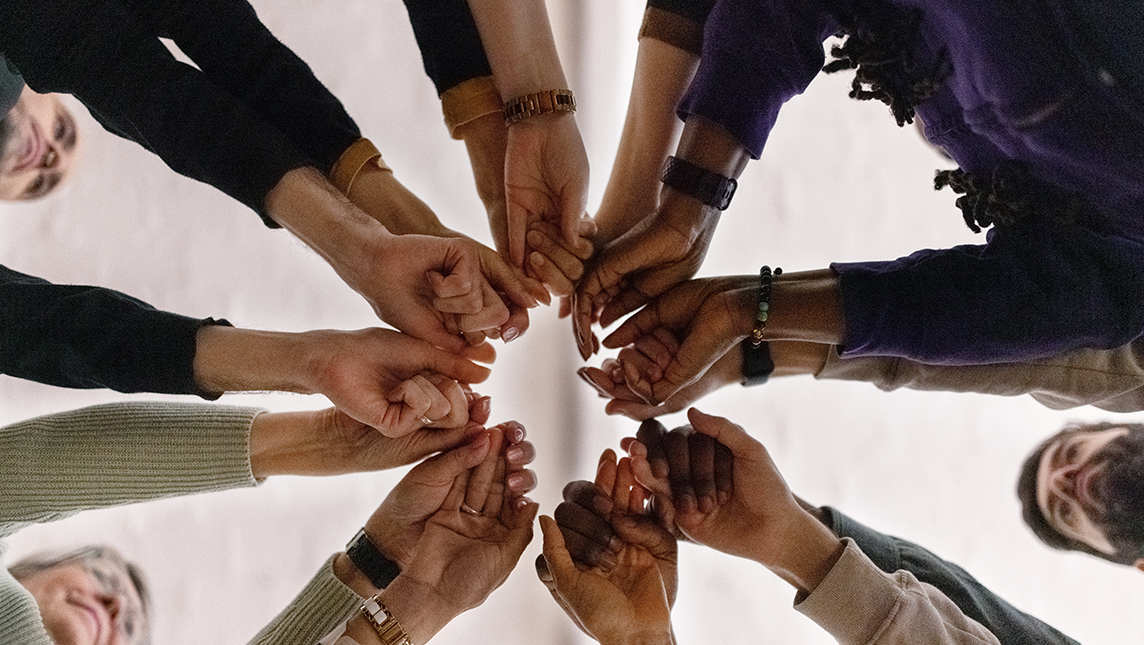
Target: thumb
pixel 723 431
pixel 556 554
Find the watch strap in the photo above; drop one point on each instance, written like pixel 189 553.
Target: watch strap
pixel 708 187
pixel 757 363
pixel 388 629
pixel 522 107
pixel 371 561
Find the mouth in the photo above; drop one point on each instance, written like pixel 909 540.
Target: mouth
pixel 33 149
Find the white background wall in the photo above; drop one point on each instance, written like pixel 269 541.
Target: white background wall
pixel 838 182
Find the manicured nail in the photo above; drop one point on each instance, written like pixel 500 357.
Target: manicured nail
pixel 616 544
pixel 514 431
pixel 627 523
pixel 514 454
pixel 515 480
pixel 510 334
pixel 485 405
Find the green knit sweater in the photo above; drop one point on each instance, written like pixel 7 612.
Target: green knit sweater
pixel 54 466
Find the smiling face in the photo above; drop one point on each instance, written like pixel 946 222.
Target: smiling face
pixel 1070 490
pixel 89 601
pixel 38 141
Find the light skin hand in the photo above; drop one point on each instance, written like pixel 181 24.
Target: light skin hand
pixel 329 442
pixel 546 179
pixel 398 524
pixel 760 520
pixel 380 377
pixel 385 199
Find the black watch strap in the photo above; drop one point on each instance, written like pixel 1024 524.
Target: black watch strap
pixel 757 363
pixel 708 187
pixel 369 560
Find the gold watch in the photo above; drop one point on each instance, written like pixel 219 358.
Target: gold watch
pixel 528 105
pixel 387 627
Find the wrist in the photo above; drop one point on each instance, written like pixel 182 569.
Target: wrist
pixel 230 359
pixel 419 609
pixel 807 551
pixel 348 573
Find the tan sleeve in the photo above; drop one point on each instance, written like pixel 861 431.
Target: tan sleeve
pixel 858 604
pixel 468 101
pixel 1110 379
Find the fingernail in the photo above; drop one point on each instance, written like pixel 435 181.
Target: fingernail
pixel 586 376
pixel 514 431
pixel 510 334
pixel 706 504
pixel 485 405
pixel 521 502
pixel 616 544
pixel 627 523
pixel 608 561
pixel 514 454
pixel 515 480
pixel 724 497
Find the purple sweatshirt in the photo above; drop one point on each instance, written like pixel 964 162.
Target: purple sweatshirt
pixel 1025 87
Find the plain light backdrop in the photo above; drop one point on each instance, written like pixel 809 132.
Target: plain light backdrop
pixel 838 182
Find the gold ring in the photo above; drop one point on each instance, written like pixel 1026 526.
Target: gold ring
pixel 426 421
pixel 469 509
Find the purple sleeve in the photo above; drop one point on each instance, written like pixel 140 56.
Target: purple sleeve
pixel 757 54
pixel 1035 290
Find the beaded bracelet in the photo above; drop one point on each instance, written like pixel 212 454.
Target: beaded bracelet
pixel 764 309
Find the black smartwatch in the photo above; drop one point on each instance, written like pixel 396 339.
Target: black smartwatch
pixel 757 363
pixel 369 560
pixel 708 187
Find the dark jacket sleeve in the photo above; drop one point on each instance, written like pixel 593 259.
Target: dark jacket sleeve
pixel 451 47
pixel 90 337
pixel 251 113
pixel 1011 625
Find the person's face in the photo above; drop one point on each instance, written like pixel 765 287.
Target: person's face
pixel 1071 491
pixel 37 146
pixel 89 602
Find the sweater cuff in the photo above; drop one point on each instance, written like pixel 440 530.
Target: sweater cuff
pixel 318 609
pixel 678 31
pixel 469 101
pixel 350 163
pixel 855 600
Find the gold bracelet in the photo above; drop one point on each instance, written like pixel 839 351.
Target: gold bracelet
pixel 528 105
pixel 388 628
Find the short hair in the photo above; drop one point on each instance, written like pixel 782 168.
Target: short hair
pixel 31 565
pixel 1031 510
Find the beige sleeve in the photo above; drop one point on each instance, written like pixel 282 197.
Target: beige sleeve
pixel 858 604
pixel 1110 379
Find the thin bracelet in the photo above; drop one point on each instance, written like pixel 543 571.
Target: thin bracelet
pixel 764 310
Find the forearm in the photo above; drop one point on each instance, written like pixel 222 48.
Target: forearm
pixel 518 41
pixel 651 129
pixel 808 551
pixel 228 359
pixel 804 306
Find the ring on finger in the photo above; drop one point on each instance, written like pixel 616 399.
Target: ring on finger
pixel 469 509
pixel 426 421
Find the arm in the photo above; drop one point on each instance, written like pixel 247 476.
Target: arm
pixel 755 516
pixel 546 166
pixel 90 337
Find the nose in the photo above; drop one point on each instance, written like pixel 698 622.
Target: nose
pixel 1064 480
pixel 51 157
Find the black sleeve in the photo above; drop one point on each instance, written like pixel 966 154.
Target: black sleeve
pixel 1010 625
pixel 451 47
pixel 90 337
pixel 253 112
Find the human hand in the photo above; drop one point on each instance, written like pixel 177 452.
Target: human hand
pixel 398 523
pixel 329 442
pixel 627 595
pixel 755 516
pixel 555 262
pixel 651 355
pixel 706 318
pixel 390 380
pixel 546 179
pixel 471 544
pixel 659 252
